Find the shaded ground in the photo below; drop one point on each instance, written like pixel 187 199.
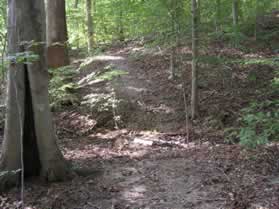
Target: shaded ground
pixel 157 176
pixel 129 134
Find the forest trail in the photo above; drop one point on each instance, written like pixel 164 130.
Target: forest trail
pixel 157 177
pixel 121 121
pixel 127 137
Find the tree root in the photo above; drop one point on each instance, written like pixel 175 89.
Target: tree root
pixel 8 179
pixel 58 171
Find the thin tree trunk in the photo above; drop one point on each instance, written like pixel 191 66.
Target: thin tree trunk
pixel 76 4
pixel 77 23
pixel 3 36
pixel 173 56
pixel 28 117
pixel 57 35
pixel 121 35
pixel 194 98
pixel 3 55
pixel 256 21
pixel 218 15
pixel 235 13
pixel 90 31
pixel 198 2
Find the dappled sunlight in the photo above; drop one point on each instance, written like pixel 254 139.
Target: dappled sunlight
pixel 134 193
pixel 121 143
pixel 137 49
pixel 93 151
pixel 162 108
pixel 75 123
pixel 90 60
pixel 110 134
pixel 138 90
pixel 100 101
pixel 107 58
pixel 85 80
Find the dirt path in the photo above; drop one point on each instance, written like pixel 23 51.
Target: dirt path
pixel 157 177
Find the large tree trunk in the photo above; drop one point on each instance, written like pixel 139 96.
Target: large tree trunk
pixel 194 99
pixel 90 31
pixel 57 36
pixel 28 119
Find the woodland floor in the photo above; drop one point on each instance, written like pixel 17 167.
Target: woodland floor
pixel 136 153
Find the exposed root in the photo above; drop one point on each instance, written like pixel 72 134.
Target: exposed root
pixel 8 179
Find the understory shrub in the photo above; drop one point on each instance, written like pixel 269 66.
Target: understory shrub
pixel 260 121
pixel 61 87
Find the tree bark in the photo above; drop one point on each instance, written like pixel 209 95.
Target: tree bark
pixel 198 12
pixel 256 20
pixel 77 24
pixel 194 98
pixel 218 15
pixel 28 118
pixel 57 35
pixel 173 56
pixel 235 13
pixel 76 4
pixel 121 35
pixel 90 31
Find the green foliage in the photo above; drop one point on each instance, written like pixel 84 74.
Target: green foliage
pixel 3 35
pixel 273 62
pixel 213 60
pixel 231 135
pixel 110 75
pixel 127 19
pixel 261 120
pixel 260 124
pixel 26 57
pixel 101 102
pixel 61 87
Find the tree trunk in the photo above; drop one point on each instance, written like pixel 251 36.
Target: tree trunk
pixel 90 32
pixel 235 13
pixel 198 12
pixel 218 16
pixel 174 25
pixel 57 36
pixel 121 35
pixel 28 118
pixel 76 4
pixel 256 20
pixel 194 99
pixel 77 24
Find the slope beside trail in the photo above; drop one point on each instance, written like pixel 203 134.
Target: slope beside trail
pixel 116 85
